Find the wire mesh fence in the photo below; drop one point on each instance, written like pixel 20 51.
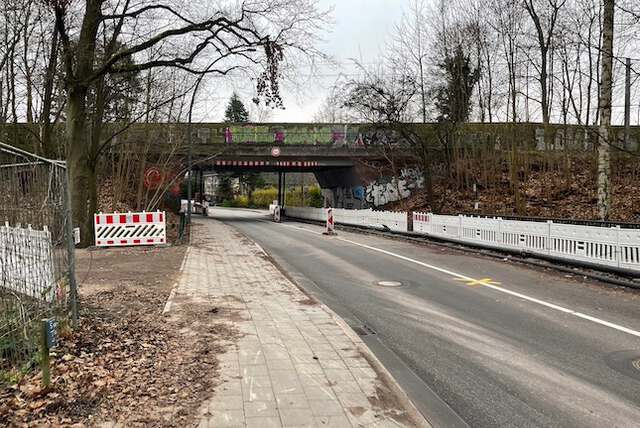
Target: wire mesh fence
pixel 36 252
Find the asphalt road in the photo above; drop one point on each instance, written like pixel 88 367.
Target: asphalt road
pixel 472 340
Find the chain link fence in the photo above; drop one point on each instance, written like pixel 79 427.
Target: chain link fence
pixel 36 254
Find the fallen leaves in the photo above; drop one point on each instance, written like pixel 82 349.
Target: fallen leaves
pixel 126 363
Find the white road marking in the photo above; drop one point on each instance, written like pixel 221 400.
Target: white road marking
pixel 484 284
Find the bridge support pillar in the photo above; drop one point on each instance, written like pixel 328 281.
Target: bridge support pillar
pixel 284 189
pixel 281 188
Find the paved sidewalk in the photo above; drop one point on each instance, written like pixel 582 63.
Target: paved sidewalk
pixel 294 364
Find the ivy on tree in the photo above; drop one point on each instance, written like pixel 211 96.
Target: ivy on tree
pixel 453 96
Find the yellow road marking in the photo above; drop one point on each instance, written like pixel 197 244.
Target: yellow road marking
pixel 476 282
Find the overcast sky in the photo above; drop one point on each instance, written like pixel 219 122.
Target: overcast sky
pixel 360 30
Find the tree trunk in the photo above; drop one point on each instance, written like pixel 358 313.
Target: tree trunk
pixel 47 100
pixel 604 149
pixel 423 94
pixel 80 169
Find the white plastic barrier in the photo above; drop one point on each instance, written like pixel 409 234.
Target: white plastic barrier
pixel 26 262
pixel 397 221
pixel 606 246
pixel 125 229
pixel 316 214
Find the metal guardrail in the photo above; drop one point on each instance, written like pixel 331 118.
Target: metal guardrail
pixel 611 248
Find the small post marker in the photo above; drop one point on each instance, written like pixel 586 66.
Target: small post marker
pixel 45 341
pixel 330 223
pixel 277 214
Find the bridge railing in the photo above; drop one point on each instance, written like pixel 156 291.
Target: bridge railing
pixel 611 247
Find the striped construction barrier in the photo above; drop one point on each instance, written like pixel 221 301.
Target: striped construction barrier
pixel 330 228
pixel 130 229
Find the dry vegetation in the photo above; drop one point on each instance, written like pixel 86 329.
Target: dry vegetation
pixel 564 189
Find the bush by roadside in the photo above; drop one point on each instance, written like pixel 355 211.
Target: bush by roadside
pixel 262 198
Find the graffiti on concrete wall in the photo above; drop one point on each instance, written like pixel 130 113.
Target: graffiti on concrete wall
pixel 349 197
pixel 391 189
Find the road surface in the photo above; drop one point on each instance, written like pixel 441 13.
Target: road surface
pixel 472 340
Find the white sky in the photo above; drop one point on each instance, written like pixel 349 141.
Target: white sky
pixel 360 30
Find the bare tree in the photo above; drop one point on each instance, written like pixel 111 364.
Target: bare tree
pixel 508 24
pixel 331 109
pixel 410 47
pixel 544 16
pixel 383 100
pixel 255 34
pixel 604 137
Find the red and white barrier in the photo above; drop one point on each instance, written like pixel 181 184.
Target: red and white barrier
pixel 330 223
pixel 129 229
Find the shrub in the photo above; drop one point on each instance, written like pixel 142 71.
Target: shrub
pixel 314 197
pixel 241 201
pixel 262 198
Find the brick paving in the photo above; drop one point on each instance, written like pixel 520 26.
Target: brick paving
pixel 294 364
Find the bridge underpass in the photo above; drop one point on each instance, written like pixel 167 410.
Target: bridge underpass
pixel 333 168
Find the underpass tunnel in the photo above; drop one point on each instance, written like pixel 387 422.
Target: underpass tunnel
pixel 342 188
pixel 339 181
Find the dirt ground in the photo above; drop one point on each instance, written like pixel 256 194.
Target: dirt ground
pixel 127 363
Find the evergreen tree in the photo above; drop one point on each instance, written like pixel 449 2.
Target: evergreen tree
pixel 236 111
pixel 453 97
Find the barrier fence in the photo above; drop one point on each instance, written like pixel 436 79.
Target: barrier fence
pixel 27 263
pixel 392 220
pixel 37 278
pixel 130 229
pixel 613 247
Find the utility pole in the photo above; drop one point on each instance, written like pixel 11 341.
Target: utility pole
pixel 627 104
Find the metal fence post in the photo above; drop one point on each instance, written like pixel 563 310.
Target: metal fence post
pixel 618 250
pixel 73 286
pixel 44 354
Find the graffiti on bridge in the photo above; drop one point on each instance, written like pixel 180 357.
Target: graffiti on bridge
pixel 380 192
pixel 335 135
pixel 391 189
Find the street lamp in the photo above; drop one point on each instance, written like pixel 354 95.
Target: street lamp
pixel 189 149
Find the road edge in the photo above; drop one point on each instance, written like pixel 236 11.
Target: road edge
pixel 417 418
pixel 174 289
